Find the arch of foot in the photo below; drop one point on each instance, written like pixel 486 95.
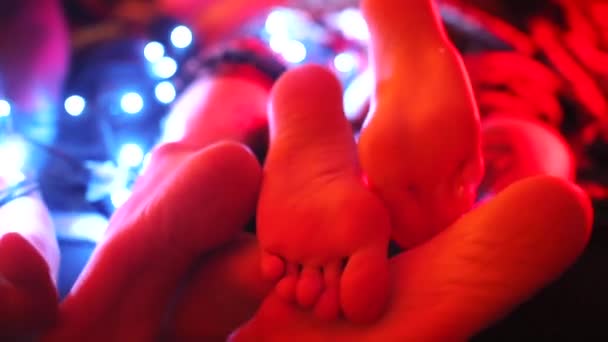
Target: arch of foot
pixel 420 147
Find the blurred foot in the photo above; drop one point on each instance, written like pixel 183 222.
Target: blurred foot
pixel 324 235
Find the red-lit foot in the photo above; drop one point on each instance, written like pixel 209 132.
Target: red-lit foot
pixel 420 148
pixel 324 235
pixel 28 298
pixel 187 204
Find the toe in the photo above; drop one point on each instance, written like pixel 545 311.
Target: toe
pixel 286 288
pixel 273 266
pixel 328 305
pixel 309 287
pixel 365 285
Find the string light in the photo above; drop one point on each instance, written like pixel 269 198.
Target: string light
pixel 289 33
pixel 119 197
pixel 277 22
pixel 75 105
pixel 154 51
pixel 351 22
pixel 165 92
pixel 130 155
pixel 181 37
pixel 13 156
pixel 345 62
pixel 132 103
pixel 165 67
pixel 294 51
pixel 5 108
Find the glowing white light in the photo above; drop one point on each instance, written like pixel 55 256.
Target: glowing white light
pixel 174 126
pixel 353 25
pixel 166 67
pixel 5 108
pixel 165 92
pixel 277 22
pixel 89 227
pixel 145 163
pixel 13 155
pixel 130 155
pixel 11 177
pixel 75 105
pixel 181 37
pixel 294 52
pixel 132 103
pixel 154 51
pixel 278 43
pixel 345 62
pixel 119 197
pixel 358 93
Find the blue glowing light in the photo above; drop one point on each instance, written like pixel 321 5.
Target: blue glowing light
pixel 132 103
pixel 165 67
pixel 145 163
pixel 13 155
pixel 75 105
pixel 277 22
pixel 119 197
pixel 130 155
pixel 353 25
pixel 5 108
pixel 181 37
pixel 294 51
pixel 345 62
pixel 165 92
pixel 154 51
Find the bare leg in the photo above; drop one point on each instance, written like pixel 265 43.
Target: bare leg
pixel 314 209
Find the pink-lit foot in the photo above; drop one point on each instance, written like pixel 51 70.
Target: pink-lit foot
pixel 324 235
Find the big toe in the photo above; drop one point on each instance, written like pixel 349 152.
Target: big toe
pixel 310 285
pixel 365 285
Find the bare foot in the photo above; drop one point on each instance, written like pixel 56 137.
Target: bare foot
pixel 187 204
pixel 420 148
pixel 315 213
pixel 28 298
pixel 444 289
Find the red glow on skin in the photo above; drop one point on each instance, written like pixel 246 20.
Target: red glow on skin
pixel 365 180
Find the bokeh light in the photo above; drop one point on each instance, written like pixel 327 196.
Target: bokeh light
pixel 13 156
pixel 165 92
pixel 165 67
pixel 277 22
pixel 345 62
pixel 119 197
pixel 75 105
pixel 294 51
pixel 132 103
pixel 5 108
pixel 131 155
pixel 353 25
pixel 181 37
pixel 154 51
